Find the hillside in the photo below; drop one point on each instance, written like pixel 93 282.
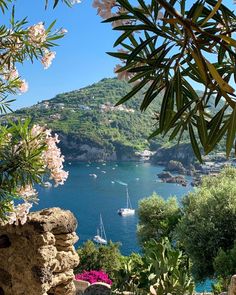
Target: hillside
pixel 90 127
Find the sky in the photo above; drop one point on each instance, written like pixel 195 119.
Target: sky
pixel 81 57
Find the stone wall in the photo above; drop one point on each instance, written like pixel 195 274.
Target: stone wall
pixel 38 258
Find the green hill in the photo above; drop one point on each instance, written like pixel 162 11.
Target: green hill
pixel 91 128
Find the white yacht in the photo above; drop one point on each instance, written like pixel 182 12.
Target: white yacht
pixel 100 237
pixel 128 210
pixel 93 175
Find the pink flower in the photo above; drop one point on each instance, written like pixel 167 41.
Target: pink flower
pixel 47 58
pixel 124 75
pixel 104 7
pixel 11 74
pixel 23 86
pixel 37 34
pixel 27 192
pixel 94 276
pixel 19 214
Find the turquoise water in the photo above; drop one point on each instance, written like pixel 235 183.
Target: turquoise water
pixel 87 197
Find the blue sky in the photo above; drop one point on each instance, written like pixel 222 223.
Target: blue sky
pixel 81 57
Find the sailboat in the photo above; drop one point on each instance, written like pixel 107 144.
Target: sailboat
pixel 128 210
pixel 100 238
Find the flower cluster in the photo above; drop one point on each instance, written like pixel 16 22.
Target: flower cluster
pixel 37 34
pixel 122 75
pixel 94 276
pixel 51 157
pixel 19 213
pixel 47 58
pixel 104 7
pixel 27 192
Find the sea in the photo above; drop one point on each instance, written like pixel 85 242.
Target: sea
pixel 88 197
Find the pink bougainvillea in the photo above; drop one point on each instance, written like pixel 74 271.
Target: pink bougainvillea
pixel 94 276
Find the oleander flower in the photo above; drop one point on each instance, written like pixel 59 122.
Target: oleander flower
pixel 27 192
pixel 19 214
pixel 52 158
pixel 37 34
pixel 10 74
pixel 23 86
pixel 104 7
pixel 124 75
pixel 47 58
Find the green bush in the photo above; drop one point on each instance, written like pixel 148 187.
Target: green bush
pixel 92 257
pixel 209 221
pixel 157 218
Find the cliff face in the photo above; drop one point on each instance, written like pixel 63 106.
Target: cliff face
pixel 76 149
pixel 182 153
pixel 90 126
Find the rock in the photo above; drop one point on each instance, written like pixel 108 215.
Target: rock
pixel 98 289
pixel 164 175
pixel 182 153
pixel 232 286
pixel 80 286
pixel 176 166
pixel 177 179
pixel 38 258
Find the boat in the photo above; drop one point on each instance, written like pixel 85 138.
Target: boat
pixel 128 210
pixel 100 237
pixel 93 175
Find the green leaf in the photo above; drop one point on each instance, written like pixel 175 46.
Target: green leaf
pixel 194 143
pixel 231 132
pixel 135 89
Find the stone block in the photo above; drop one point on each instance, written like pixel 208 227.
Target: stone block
pixel 32 260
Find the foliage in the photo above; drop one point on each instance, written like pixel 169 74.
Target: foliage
pixel 161 270
pixel 94 276
pixel 106 258
pixel 79 118
pixel 157 218
pixel 28 156
pixel 127 276
pixel 208 222
pixel 168 269
pixel 27 153
pixel 168 46
pixel 224 266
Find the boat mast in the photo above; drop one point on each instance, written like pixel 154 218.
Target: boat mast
pixel 128 204
pixel 102 229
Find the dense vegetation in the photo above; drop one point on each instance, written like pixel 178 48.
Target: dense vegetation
pixel 81 118
pixel 195 237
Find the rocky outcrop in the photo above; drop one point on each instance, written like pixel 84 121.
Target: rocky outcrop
pixel 232 286
pixel 38 258
pixel 182 153
pixel 164 175
pixel 176 166
pixel 169 178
